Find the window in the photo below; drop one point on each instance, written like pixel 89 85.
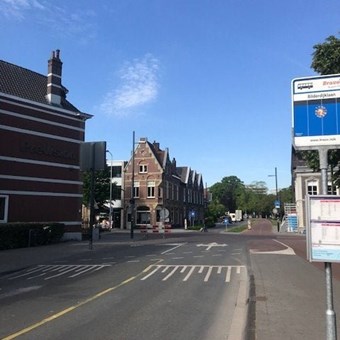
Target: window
pixel 117 192
pixel 167 190
pixel 312 188
pixel 116 171
pixel 143 168
pixel 143 215
pixel 136 189
pixel 329 190
pixel 151 189
pixel 3 208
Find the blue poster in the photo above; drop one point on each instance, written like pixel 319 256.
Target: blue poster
pixel 317 118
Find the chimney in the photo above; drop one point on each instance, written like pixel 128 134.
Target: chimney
pixel 54 88
pixel 156 145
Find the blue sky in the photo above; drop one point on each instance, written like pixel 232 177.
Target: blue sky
pixel 207 79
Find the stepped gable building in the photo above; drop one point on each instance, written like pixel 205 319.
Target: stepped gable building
pixel 159 184
pixel 41 133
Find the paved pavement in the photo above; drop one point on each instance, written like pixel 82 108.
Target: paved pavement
pixel 287 294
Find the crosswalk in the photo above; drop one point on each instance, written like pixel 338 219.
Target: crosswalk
pixel 48 272
pixel 187 271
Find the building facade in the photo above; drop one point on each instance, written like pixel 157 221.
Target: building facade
pixel 41 133
pixel 306 182
pixel 117 192
pixel 160 192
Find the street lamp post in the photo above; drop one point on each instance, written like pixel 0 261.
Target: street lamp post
pixel 110 211
pixel 277 202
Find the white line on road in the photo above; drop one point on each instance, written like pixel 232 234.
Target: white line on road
pixel 176 245
pixel 170 270
pixel 287 251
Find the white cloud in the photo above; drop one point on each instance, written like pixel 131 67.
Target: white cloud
pixel 139 86
pixel 18 8
pixel 56 19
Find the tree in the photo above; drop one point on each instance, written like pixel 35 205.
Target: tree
pixel 227 191
pixel 101 188
pixel 326 56
pixel 326 60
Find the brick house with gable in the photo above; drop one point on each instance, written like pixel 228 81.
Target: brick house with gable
pixel 41 133
pixel 158 184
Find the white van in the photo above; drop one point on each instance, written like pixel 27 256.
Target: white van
pixel 233 216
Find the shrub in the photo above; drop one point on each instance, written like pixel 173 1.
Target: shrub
pixel 20 235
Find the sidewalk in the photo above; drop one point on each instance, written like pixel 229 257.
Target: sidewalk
pixel 288 293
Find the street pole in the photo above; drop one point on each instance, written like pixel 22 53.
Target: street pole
pixel 110 212
pixel 330 313
pixel 277 200
pixel 132 201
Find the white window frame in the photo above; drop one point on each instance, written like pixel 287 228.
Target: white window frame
pixel 136 190
pixel 151 189
pixel 143 168
pixel 5 207
pixel 313 185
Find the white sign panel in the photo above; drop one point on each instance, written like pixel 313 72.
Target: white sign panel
pixel 323 230
pixel 316 111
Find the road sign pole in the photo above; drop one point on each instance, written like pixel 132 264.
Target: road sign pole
pixel 330 314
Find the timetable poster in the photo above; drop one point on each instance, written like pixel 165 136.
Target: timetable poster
pixel 324 228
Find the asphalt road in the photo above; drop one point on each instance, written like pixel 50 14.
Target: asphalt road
pixel 193 286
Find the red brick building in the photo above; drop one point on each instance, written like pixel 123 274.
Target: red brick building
pixel 40 137
pixel 160 184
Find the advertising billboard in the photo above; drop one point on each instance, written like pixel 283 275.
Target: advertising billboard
pixel 316 112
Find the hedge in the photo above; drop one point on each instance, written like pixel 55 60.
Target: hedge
pixel 21 235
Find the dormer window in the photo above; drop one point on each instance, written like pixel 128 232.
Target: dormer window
pixel 143 168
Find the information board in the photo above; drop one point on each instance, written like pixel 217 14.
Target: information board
pixel 316 111
pixel 323 228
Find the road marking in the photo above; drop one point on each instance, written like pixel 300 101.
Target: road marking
pixel 74 307
pixel 176 245
pixel 287 251
pixel 170 270
pixel 53 271
pixel 213 244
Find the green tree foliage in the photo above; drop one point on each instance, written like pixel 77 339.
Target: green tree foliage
pixel 326 56
pixel 326 60
pixel 215 210
pixel 101 188
pixel 227 191
pixel 231 194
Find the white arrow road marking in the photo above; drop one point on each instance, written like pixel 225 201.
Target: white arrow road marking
pixel 213 244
